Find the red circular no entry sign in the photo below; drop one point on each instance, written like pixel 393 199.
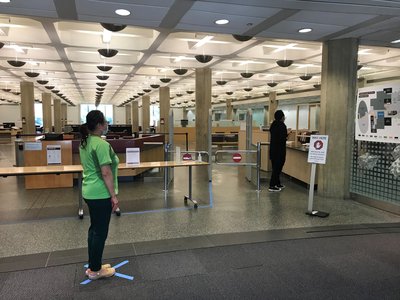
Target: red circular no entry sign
pixel 237 157
pixel 187 156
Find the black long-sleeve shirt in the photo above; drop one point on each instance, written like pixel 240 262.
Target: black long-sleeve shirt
pixel 278 137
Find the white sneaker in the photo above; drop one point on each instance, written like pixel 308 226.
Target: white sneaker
pixel 274 189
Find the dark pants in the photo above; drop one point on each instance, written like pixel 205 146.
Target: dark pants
pixel 100 214
pixel 277 165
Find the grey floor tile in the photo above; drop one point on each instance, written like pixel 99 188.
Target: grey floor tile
pixel 159 246
pixel 63 257
pixel 23 262
pixel 169 265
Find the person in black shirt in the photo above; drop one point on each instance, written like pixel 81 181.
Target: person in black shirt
pixel 277 150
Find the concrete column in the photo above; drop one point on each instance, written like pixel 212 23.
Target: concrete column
pixel 135 116
pixel 203 105
pixel 234 116
pixel 184 113
pixel 128 114
pixel 57 115
pixel 64 116
pixel 145 113
pixel 266 123
pixel 229 109
pixel 47 118
pixel 338 102
pixel 273 105
pixel 27 107
pixel 164 95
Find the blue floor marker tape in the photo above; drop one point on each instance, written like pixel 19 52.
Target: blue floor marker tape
pixel 116 273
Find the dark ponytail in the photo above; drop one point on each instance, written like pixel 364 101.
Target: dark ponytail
pixel 93 118
pixel 84 131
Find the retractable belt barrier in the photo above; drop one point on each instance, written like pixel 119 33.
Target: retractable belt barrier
pixel 241 158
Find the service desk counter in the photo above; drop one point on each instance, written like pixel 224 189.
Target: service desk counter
pixel 151 149
pixel 296 164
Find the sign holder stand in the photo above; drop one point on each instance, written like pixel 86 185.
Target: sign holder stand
pixel 310 211
pixel 316 155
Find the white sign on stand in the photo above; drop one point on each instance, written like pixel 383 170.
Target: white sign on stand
pixel 317 153
pixel 53 154
pixel 318 149
pixel 133 156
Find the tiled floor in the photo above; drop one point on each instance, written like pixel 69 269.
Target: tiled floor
pixel 43 221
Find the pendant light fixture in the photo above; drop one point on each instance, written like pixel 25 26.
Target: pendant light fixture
pixel 104 68
pixel 107 52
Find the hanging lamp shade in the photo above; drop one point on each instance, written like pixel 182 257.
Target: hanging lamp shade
pixel 359 67
pixel 6 90
pixel 42 82
pixel 140 94
pixel 49 87
pixel 55 91
pixel 102 77
pixel 248 89
pixel 305 77
pixel 266 94
pixel 154 86
pixel 203 58
pixel 242 38
pixel 136 96
pixel 146 90
pixel 113 27
pixel 60 94
pixel 104 68
pixel 214 96
pixel 32 74
pixel 272 84
pixel 101 84
pixel 289 90
pixel 179 95
pixel 99 92
pixel 221 82
pixel 190 92
pixel 317 86
pixel 229 93
pixel 108 52
pixel 246 74
pixel 1 45
pixel 284 63
pixel 100 89
pixel 16 63
pixel 165 79
pixel 180 71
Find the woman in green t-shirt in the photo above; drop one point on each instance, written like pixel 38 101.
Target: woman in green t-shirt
pixel 99 189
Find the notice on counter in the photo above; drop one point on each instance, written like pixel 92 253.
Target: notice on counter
pixel 53 154
pixel 31 146
pixel 318 149
pixel 133 156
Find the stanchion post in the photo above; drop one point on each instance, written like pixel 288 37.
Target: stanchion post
pixel 311 192
pixel 166 169
pixel 258 165
pixel 187 141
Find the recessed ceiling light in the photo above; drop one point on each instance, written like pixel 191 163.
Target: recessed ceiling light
pixel 222 22
pixel 305 30
pixel 122 12
pixel 395 41
pixel 5 1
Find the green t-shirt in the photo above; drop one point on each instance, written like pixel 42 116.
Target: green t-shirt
pixel 96 154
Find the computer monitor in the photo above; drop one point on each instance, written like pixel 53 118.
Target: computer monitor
pixel 184 122
pixel 53 137
pixel 8 124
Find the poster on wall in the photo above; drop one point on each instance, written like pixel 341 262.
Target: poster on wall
pixel 378 114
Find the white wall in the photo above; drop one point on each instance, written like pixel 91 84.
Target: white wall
pixel 10 113
pixel 73 115
pixel 119 115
